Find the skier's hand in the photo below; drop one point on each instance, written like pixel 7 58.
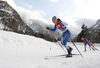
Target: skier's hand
pixel 48 28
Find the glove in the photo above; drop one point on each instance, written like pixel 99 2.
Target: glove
pixel 48 28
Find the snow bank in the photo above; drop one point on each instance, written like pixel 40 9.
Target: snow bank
pixel 23 51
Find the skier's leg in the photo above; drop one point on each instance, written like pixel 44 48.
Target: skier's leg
pixel 92 48
pixel 85 47
pixel 64 42
pixel 89 45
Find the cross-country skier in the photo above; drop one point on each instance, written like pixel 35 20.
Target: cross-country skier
pixel 93 46
pixel 66 33
pixel 85 43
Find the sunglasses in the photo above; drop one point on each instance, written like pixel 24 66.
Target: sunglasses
pixel 52 20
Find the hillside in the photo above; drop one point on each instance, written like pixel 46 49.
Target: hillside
pixel 10 20
pixel 93 32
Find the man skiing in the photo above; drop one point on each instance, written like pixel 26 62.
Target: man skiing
pixel 85 43
pixel 66 33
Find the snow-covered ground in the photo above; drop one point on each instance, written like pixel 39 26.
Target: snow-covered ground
pixel 23 51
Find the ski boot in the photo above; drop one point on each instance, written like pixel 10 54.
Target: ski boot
pixel 70 49
pixel 85 50
pixel 69 52
pixel 93 49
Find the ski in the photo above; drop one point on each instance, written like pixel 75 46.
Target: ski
pixel 55 57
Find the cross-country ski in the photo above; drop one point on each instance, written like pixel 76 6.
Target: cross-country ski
pixel 59 56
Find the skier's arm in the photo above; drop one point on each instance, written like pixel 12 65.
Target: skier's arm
pixel 54 29
pixel 64 23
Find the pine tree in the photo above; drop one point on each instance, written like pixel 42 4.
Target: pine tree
pixel 82 33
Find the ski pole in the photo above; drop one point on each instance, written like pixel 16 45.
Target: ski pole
pixel 57 42
pixel 74 45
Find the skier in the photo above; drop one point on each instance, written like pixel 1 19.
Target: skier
pixel 66 33
pixel 85 43
pixel 93 46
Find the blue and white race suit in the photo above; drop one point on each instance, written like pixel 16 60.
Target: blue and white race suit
pixel 66 32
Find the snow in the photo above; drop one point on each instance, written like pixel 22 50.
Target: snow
pixel 23 51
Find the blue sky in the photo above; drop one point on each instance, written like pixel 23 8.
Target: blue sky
pixel 49 7
pixel 74 12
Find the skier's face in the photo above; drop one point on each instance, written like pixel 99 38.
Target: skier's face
pixel 82 38
pixel 54 21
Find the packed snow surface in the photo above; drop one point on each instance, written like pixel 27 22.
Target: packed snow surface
pixel 23 51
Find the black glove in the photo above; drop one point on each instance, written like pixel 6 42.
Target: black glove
pixel 48 28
